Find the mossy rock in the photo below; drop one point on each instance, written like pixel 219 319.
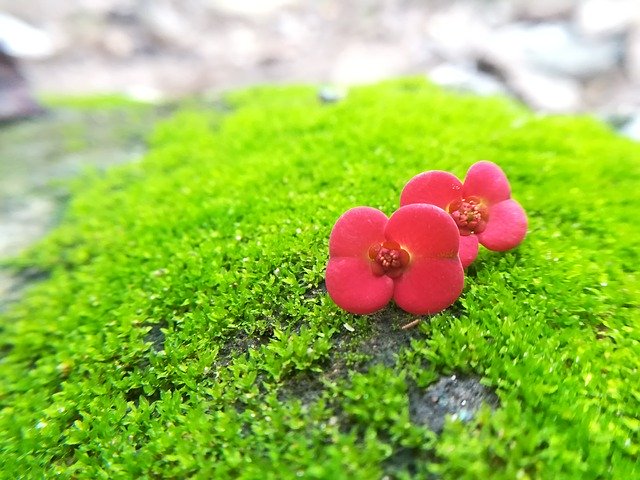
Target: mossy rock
pixel 184 331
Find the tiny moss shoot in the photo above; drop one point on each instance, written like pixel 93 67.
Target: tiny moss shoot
pixel 183 330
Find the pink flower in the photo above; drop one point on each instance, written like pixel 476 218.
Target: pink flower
pixel 411 258
pixel 481 207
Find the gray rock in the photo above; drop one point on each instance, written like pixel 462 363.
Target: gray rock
pixel 546 93
pixel 117 42
pixel 167 25
pixel 24 224
pixel 543 9
pixel 21 40
pixel 459 398
pixel 466 79
pixel 249 7
pixel 455 32
pixel 552 49
pixel 366 62
pixel 331 94
pixel 606 17
pixel 16 100
pixel 631 129
pixel 632 63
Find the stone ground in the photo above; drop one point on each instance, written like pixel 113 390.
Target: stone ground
pixel 557 56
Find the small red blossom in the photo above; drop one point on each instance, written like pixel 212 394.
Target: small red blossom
pixel 481 207
pixel 374 259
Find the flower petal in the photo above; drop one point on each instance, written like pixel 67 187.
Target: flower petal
pixel 487 181
pixel 355 231
pixel 506 228
pixel 354 288
pixel 435 187
pixel 425 231
pixel 429 286
pixel 468 249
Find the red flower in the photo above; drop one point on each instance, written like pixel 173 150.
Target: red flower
pixel 482 207
pixel 411 258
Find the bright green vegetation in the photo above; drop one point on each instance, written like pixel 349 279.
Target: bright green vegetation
pixel 184 330
pixel 105 101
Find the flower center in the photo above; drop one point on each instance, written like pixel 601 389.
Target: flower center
pixel 388 259
pixel 470 214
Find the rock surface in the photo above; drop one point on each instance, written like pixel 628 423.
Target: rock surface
pixel 38 155
pixel 16 101
pixel 176 48
pixel 459 398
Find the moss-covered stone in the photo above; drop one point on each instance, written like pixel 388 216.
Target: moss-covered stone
pixel 185 304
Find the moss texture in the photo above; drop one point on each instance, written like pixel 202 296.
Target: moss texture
pixel 184 330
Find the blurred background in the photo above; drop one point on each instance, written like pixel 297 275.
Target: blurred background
pixel 556 56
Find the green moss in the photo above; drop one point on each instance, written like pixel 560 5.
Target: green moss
pixel 185 305
pixel 101 101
